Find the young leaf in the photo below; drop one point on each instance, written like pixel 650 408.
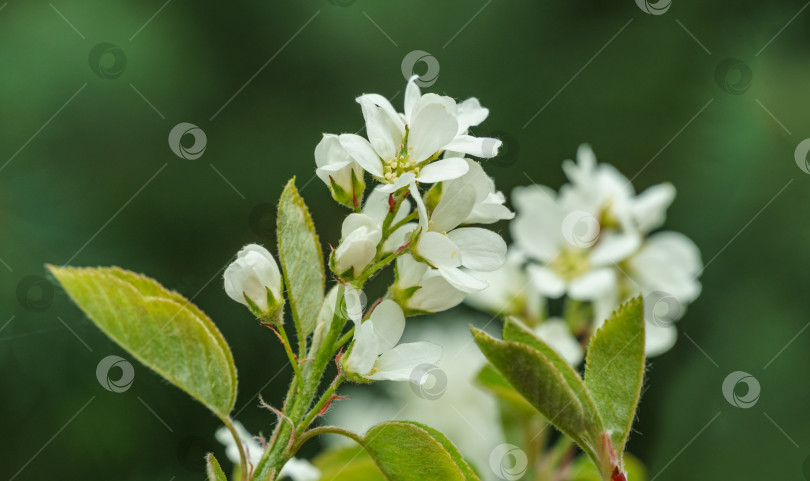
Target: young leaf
pixel 615 367
pixel 408 451
pixel 489 379
pixel 301 259
pixel 514 330
pixel 158 327
pixel 214 470
pixel 538 381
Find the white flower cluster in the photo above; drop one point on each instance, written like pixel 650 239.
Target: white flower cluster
pixel 592 243
pixel 437 252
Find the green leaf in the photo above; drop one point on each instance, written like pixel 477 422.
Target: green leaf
pixel 160 328
pixel 538 381
pixel 214 470
pixel 349 463
pixel 514 330
pixel 408 451
pixel 491 380
pixel 615 368
pixel 301 259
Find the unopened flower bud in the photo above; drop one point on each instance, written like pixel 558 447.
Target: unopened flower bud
pixel 253 279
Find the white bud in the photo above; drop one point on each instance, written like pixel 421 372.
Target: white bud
pixel 358 246
pixel 254 278
pixel 339 171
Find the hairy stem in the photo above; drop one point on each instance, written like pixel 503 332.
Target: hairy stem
pixel 326 430
pixel 242 458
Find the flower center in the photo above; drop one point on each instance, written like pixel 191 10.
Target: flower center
pixel 402 163
pixel 570 263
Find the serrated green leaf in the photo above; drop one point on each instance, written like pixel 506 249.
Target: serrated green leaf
pixel 489 379
pixel 214 470
pixel 301 260
pixel 347 463
pixel 408 451
pixel 615 368
pixel 514 330
pixel 538 381
pixel 160 328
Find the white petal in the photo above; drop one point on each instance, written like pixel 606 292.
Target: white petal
pixel 353 300
pixel 399 237
pixel 300 470
pixel 537 228
pixel 593 285
pixel 659 339
pixel 650 207
pixel 484 147
pixel 453 208
pixel 490 210
pixel 461 280
pixel 364 351
pixel 379 129
pixel 353 222
pixel 668 262
pixel 420 205
pixel 481 249
pixel 412 96
pixel 329 151
pixel 444 169
pixel 470 114
pixel 409 271
pixel 389 324
pixel 614 247
pixel 439 250
pixel 362 152
pixel 555 333
pixel 398 363
pixel 376 205
pixel 432 129
pixel 386 106
pixel 435 295
pixel 546 281
pixel 405 179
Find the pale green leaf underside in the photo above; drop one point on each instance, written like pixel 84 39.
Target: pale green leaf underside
pixel 615 368
pixel 301 259
pixel 158 327
pixel 214 470
pixel 537 380
pixel 408 451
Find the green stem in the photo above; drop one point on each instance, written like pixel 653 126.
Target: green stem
pixel 325 398
pixel 379 265
pixel 242 458
pixel 343 340
pixel 326 430
pixel 288 349
pixel 300 399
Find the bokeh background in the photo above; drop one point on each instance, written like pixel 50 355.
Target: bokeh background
pixel 87 178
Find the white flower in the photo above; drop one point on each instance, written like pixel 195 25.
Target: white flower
pixel 295 469
pixel 469 199
pixel 421 290
pixel 474 248
pixel 375 354
pixel 454 404
pixel 362 233
pixel 358 244
pixel 254 278
pixel 339 171
pixel 509 292
pixel 583 271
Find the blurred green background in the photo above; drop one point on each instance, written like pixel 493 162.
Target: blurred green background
pixel 88 178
